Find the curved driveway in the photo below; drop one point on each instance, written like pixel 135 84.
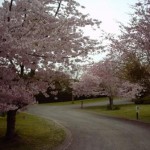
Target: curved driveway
pixel 95 132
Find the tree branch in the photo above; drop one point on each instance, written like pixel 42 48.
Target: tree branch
pixel 10 8
pixel 25 16
pixel 58 8
pixel 36 55
pixel 21 70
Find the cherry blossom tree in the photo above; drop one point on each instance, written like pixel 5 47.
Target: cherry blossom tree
pixel 134 37
pixel 131 49
pixel 99 79
pixel 102 79
pixel 88 85
pixel 36 36
pixel 108 80
pixel 126 71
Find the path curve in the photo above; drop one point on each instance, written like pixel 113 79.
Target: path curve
pixel 95 132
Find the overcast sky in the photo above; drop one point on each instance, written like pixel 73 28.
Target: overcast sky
pixel 109 12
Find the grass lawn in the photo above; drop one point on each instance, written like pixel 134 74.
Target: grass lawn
pixel 76 102
pixel 34 133
pixel 125 111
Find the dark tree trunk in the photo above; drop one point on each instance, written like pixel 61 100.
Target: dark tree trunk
pixel 10 8
pixel 111 102
pixel 11 120
pixel 58 8
pixel 72 99
pixel 32 73
pixel 21 70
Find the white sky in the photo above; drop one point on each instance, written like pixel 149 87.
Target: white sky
pixel 109 12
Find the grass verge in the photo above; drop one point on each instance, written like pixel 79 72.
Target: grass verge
pixel 76 102
pixel 126 111
pixel 34 133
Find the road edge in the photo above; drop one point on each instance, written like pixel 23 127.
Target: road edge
pixel 68 139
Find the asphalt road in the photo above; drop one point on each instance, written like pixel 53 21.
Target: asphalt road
pixel 91 131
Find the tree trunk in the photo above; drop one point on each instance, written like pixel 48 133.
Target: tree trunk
pixel 72 99
pixel 111 102
pixel 11 120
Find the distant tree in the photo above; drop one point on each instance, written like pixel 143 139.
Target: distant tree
pixel 108 80
pixel 131 49
pixel 135 71
pixel 87 85
pixel 62 86
pixel 102 79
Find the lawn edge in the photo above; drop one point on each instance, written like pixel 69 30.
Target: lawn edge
pixel 68 138
pixel 133 121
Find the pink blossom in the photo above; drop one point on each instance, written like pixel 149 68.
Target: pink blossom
pixel 36 36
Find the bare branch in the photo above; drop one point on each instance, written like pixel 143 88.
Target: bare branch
pixel 36 55
pixel 10 8
pixel 58 8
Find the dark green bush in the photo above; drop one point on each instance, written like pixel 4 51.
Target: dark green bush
pixel 143 100
pixel 114 107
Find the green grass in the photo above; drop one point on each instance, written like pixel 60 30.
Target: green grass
pixel 76 102
pixel 125 111
pixel 34 133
